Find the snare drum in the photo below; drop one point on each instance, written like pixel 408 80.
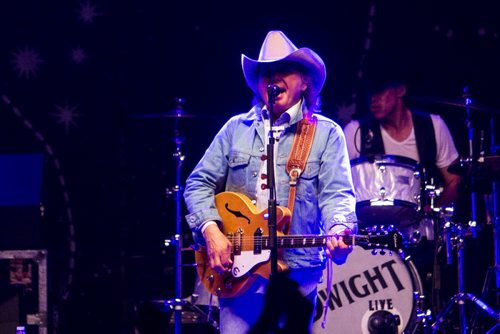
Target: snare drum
pixel 388 190
pixel 368 283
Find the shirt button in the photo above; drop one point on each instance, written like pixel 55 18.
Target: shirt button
pixel 263 157
pixel 263 186
pixel 254 174
pixel 263 176
pixel 261 149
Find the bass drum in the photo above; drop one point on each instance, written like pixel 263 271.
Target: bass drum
pixel 366 288
pixel 388 189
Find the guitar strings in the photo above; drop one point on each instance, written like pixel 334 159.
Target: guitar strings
pixel 298 241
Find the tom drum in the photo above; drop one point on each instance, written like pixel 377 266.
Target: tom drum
pixel 388 190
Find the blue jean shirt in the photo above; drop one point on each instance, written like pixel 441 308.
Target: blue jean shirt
pixel 324 196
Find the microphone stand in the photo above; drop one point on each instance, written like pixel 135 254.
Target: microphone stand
pixel 271 222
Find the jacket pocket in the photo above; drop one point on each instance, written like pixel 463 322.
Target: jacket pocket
pixel 307 186
pixel 238 163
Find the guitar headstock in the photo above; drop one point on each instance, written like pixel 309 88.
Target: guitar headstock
pixel 379 237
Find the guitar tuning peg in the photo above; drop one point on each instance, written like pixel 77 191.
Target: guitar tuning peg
pixel 382 252
pixel 374 251
pixel 392 228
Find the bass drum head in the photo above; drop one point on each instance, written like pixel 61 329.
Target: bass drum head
pixel 368 286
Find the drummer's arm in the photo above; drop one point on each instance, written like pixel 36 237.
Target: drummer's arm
pixel 450 188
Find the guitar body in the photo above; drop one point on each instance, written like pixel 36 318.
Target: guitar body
pixel 241 222
pixel 247 229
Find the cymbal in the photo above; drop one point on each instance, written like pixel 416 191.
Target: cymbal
pixel 459 168
pixel 168 115
pixel 454 103
pixel 490 164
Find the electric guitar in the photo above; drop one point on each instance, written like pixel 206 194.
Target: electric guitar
pixel 247 229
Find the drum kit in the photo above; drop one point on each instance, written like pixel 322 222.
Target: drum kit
pixel 389 192
pixel 383 292
pixel 367 296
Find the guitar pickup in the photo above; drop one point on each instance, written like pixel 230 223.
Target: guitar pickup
pixel 237 240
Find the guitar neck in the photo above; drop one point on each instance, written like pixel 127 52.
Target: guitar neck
pixel 304 241
pixel 257 243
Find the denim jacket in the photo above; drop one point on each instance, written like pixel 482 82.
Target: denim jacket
pixel 324 197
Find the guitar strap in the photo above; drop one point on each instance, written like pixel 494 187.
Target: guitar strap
pixel 302 143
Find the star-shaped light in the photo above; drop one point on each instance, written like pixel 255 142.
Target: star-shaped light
pixel 88 12
pixel 26 62
pixel 78 55
pixel 66 115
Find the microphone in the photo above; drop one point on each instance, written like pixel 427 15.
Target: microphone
pixel 272 92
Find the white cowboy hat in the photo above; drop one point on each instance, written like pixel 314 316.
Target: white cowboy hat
pixel 278 47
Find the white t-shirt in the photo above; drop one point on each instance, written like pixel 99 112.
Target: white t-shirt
pixel 446 151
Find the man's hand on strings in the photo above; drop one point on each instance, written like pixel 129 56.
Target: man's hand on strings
pixel 218 249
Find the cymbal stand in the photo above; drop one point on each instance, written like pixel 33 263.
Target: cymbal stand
pixel 468 102
pixel 495 270
pixel 455 235
pixel 177 303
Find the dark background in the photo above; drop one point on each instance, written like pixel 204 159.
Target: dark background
pixel 109 161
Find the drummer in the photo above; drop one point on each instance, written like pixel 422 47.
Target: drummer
pixel 393 128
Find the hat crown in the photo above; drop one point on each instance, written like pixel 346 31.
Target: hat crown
pixel 276 46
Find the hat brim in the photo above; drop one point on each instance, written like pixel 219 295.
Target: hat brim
pixel 305 56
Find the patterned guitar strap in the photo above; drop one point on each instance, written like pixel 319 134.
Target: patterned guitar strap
pixel 302 143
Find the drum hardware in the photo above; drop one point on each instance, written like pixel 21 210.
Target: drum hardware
pixel 491 164
pixel 196 315
pixel 178 304
pixel 383 322
pixel 454 236
pixel 191 312
pixel 431 194
pixel 488 168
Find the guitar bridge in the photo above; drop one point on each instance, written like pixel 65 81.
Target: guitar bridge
pixel 237 240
